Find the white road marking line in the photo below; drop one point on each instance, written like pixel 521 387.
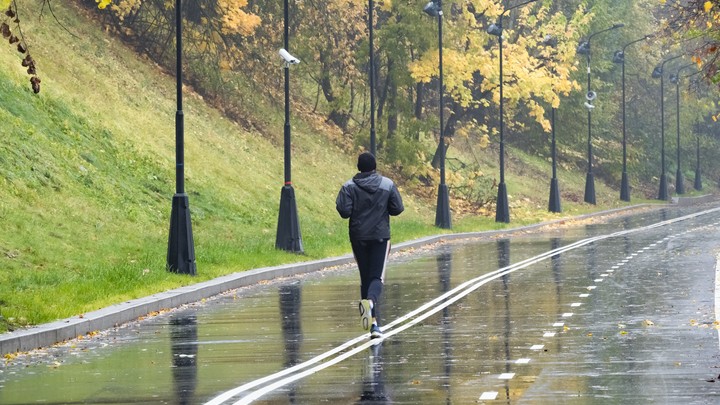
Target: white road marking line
pixel 522 361
pixel 537 347
pixel 559 324
pixel 489 395
pixel 549 334
pixel 567 314
pixel 506 376
pixel 591 287
pixel 576 304
pixel 598 280
pixel 584 295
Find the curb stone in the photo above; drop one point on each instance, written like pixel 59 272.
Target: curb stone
pixel 54 332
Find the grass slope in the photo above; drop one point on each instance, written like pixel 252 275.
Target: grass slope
pixel 87 176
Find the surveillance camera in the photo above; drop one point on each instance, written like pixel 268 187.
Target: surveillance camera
pixel 289 59
pixel 590 96
pixel 589 106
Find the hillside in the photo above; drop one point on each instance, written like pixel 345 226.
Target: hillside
pixel 87 176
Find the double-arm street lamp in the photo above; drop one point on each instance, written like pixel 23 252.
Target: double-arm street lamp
pixel 181 248
pixel 619 57
pixel 675 79
pixel 288 236
pixel 658 72
pixel 442 214
pixel 502 213
pixel 584 49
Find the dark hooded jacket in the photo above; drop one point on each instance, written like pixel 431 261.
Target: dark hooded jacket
pixel 369 199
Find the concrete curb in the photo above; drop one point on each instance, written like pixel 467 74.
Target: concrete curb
pixel 112 316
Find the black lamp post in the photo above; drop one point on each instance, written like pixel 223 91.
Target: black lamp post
pixel 619 57
pixel 698 180
pixel 288 236
pixel 675 79
pixel 181 248
pixel 584 49
pixel 554 203
pixel 371 11
pixel 502 213
pixel 659 73
pixel 442 215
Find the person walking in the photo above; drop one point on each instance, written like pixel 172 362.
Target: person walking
pixel 368 200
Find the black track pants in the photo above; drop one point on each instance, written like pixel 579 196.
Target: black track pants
pixel 371 256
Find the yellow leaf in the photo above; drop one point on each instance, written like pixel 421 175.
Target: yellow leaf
pixel 708 5
pixel 4 4
pixel 103 3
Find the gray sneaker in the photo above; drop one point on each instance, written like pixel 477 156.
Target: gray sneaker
pixel 375 332
pixel 365 314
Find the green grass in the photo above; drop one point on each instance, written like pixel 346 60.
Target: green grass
pixel 87 176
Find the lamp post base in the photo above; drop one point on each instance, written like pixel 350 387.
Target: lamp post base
pixel 181 248
pixel 502 213
pixel 698 180
pixel 679 183
pixel 590 188
pixel 624 188
pixel 442 214
pixel 288 230
pixel 554 204
pixel 663 194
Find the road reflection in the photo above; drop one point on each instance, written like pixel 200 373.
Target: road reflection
pixel 290 305
pixel 183 340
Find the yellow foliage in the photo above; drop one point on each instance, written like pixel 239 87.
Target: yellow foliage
pixel 101 3
pixel 707 6
pixel 235 20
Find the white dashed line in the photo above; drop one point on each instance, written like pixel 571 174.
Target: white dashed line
pixel 559 324
pixel 598 280
pixel 576 304
pixel 549 334
pixel 591 287
pixel 506 376
pixel 584 295
pixel 489 395
pixel 522 361
pixel 567 314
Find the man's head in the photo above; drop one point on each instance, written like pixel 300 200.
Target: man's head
pixel 366 162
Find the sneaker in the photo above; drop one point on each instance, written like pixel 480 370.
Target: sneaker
pixel 365 314
pixel 375 332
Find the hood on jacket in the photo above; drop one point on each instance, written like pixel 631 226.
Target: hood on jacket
pixel 368 181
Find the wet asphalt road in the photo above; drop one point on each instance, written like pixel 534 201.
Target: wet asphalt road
pixel 623 312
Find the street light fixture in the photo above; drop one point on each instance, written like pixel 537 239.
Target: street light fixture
pixel 288 236
pixel 619 57
pixel 502 213
pixel 442 214
pixel 181 247
pixel 658 72
pixel 584 49
pixel 675 79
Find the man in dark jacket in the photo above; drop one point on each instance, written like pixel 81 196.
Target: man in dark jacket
pixel 369 199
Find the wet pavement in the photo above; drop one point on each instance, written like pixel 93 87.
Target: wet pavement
pixel 623 312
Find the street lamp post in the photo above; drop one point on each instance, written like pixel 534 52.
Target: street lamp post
pixel 554 203
pixel 442 214
pixel 584 48
pixel 288 236
pixel 181 248
pixel 371 11
pixel 675 79
pixel 502 212
pixel 658 72
pixel 698 180
pixel 619 57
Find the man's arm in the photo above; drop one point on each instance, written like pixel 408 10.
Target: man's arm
pixel 344 203
pixel 395 204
